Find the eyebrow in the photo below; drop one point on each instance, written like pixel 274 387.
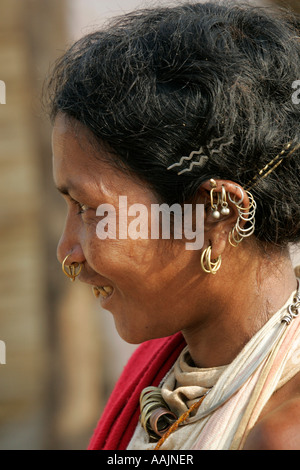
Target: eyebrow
pixel 63 190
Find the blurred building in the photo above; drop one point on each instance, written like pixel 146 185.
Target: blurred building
pixel 56 379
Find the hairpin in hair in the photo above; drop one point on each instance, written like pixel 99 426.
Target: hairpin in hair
pixel 272 165
pixel 203 157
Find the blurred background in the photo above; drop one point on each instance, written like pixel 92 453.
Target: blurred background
pixel 63 355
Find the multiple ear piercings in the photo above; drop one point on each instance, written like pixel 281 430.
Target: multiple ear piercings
pixel 246 215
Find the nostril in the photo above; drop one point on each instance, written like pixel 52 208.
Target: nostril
pixel 74 254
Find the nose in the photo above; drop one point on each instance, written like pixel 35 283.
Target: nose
pixel 69 244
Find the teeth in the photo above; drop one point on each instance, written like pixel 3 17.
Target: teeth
pixel 103 291
pixel 96 291
pixel 108 289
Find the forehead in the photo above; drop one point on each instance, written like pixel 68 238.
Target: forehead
pixel 79 163
pixel 74 161
pixel 72 142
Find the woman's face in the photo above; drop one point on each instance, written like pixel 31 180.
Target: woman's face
pixel 150 281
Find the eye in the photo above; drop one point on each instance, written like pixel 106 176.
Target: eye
pixel 81 208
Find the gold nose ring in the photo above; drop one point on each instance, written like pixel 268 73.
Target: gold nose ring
pixel 71 270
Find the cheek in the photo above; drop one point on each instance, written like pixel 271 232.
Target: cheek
pixel 110 258
pixel 137 268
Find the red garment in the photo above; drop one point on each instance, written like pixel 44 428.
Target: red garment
pixel 147 366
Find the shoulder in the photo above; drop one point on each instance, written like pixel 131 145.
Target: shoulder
pixel 278 430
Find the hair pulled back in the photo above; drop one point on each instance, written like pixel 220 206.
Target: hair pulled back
pixel 159 83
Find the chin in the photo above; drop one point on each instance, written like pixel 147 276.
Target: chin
pixel 133 337
pixel 139 336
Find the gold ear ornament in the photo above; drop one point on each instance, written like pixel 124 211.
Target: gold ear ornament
pixel 208 265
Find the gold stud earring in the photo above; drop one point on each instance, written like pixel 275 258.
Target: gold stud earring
pixel 208 265
pixel 71 270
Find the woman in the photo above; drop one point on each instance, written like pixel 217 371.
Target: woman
pixel 192 106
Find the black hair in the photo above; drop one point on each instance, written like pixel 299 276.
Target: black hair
pixel 157 84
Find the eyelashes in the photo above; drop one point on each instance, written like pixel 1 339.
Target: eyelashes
pixel 81 208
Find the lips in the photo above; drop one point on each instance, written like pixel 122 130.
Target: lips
pixel 103 291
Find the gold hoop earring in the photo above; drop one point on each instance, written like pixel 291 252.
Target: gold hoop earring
pixel 71 270
pixel 207 264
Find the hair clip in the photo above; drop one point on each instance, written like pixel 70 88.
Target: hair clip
pixel 201 162
pixel 203 156
pixel 272 165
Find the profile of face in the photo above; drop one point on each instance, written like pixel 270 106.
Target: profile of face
pixel 149 282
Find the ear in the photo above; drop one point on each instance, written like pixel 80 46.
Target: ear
pixel 216 230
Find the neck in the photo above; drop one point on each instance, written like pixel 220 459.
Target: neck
pixel 260 289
